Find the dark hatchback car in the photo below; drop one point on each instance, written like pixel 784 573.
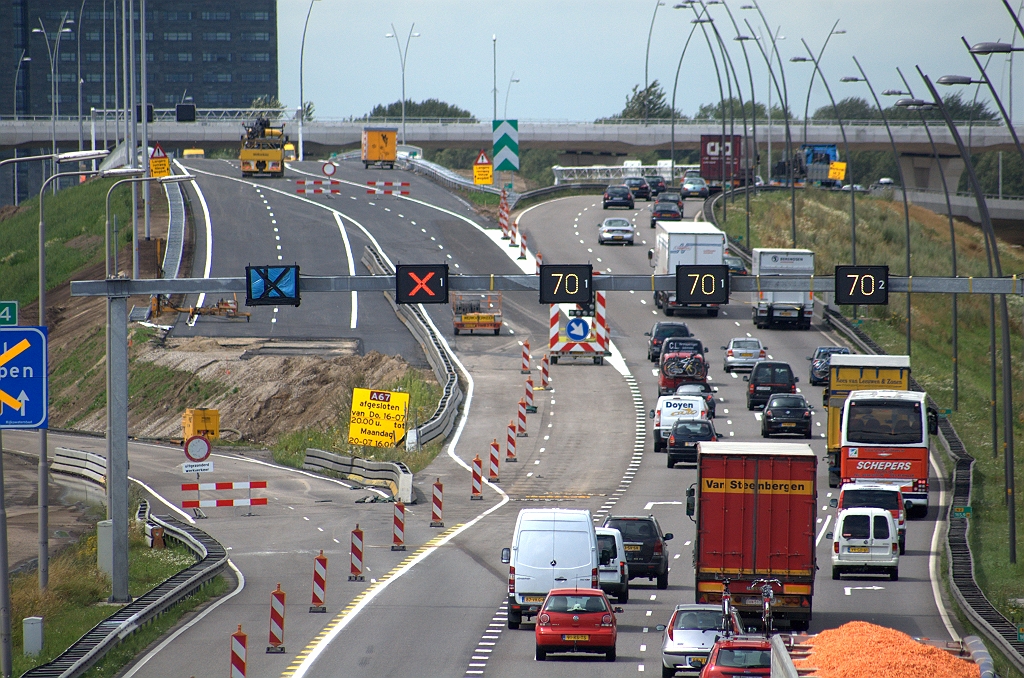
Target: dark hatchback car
pixel 646 551
pixel 735 264
pixel 704 390
pixel 682 442
pixel 790 413
pixel 673 197
pixel 820 363
pixel 618 196
pixel 665 211
pixel 639 188
pixel 657 185
pixel 659 333
pixel 767 378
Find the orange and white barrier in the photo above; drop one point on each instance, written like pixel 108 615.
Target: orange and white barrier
pixel 276 621
pixel 387 190
pixel 398 538
pixel 319 583
pixel 521 431
pixel 199 502
pixel 522 247
pixel 251 485
pixel 356 556
pixel 513 240
pixel 545 373
pixel 540 261
pixel 492 473
pixel 503 215
pixel 239 644
pixel 210 503
pixel 478 480
pixel 510 443
pixel 318 182
pixel 525 369
pixel 437 505
pixel 530 407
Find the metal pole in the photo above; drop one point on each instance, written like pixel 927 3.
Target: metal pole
pixel 133 112
pixel 14 105
pixel 103 107
pixel 302 94
pixel 6 656
pixel 78 62
pixel 752 162
pixel 145 110
pixel 647 55
pixel 721 96
pixel 675 85
pixel 117 446
pixel 810 86
pixel 494 47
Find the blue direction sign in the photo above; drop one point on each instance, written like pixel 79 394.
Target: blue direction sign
pixel 577 329
pixel 24 401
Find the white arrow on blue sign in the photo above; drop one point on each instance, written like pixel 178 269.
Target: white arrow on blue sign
pixel 577 329
pixel 24 400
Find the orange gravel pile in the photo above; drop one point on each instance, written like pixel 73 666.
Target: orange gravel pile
pixel 862 650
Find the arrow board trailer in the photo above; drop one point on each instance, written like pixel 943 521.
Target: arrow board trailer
pixel 685 243
pixel 782 308
pixel 576 341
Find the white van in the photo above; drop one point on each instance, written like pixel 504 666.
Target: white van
pixel 673 407
pixel 551 548
pixel 866 539
pixel 613 571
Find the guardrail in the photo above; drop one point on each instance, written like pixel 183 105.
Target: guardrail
pixel 81 464
pixel 442 421
pixel 91 647
pixel 395 475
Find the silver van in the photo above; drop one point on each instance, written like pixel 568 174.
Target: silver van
pixel 613 569
pixel 551 548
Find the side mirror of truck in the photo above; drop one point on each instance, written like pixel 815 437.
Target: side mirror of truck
pixel 650 258
pixel 705 349
pixel 933 421
pixel 828 535
pixel 506 556
pixel 668 536
pixel 834 503
pixel 691 502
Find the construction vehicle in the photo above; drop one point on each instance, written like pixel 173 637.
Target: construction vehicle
pixel 160 303
pixel 476 312
pixel 289 152
pixel 379 146
pixel 262 149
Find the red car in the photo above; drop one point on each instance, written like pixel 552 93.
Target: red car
pixel 739 656
pixel 576 620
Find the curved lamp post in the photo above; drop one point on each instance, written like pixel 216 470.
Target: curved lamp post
pixel 54 56
pixel 14 104
pixel 401 57
pixel 507 90
pixel 302 91
pixel 647 54
pixel 810 86
pixel 675 85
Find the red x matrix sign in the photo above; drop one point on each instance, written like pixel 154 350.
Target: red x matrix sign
pixel 421 283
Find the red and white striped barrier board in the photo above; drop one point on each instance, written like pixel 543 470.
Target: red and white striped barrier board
pixel 437 505
pixel 212 503
pixel 398 540
pixel 530 407
pixel 477 478
pixel 239 642
pixel 317 182
pixel 252 485
pixel 318 190
pixel 492 473
pixel 356 556
pixel 388 184
pixel 597 346
pixel 510 443
pixel 522 247
pixel 385 191
pixel 319 583
pixel 525 369
pixel 521 431
pixel 513 239
pixel 540 262
pixel 276 621
pixel 545 373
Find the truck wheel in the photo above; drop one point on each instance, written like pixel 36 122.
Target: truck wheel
pixel 554 360
pixel 497 331
pixel 599 360
pixel 835 573
pixel 663 580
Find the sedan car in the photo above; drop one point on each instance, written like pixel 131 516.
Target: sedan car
pixel 820 362
pixel 665 211
pixel 657 185
pixel 788 413
pixel 703 389
pixel 739 656
pixel 682 442
pixel 618 196
pixel 619 231
pixel 638 186
pixel 689 636
pixel 742 353
pixel 694 187
pixel 668 196
pixel 735 264
pixel 576 620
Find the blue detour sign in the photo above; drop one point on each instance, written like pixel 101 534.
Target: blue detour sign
pixel 24 401
pixel 577 329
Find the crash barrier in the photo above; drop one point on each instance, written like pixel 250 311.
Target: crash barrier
pixel 198 488
pixel 81 464
pixel 396 476
pixel 91 647
pixel 437 505
pixel 442 421
pixel 999 630
pixel 276 641
pixel 553 190
pixel 175 231
pixel 239 647
pixel 356 556
pixel 319 583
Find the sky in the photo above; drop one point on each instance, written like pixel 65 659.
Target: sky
pixel 579 60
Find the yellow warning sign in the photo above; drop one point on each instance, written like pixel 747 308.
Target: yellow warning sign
pixel 378 417
pixel 483 174
pixel 837 171
pixel 159 163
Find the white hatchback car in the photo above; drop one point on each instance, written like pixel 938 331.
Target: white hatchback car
pixel 866 540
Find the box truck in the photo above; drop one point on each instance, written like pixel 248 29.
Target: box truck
pixel 680 243
pixel 778 308
pixel 380 146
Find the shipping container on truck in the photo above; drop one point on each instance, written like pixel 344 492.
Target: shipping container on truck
pixel 756 507
pixel 712 167
pixel 884 438
pixel 785 308
pixel 380 146
pixel 685 243
pixel 857 373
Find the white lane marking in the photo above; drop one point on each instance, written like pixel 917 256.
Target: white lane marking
pixel 757 415
pixel 737 324
pixel 353 320
pixel 162 500
pixel 685 543
pixel 726 411
pixel 654 596
pixel 209 230
pixel 734 375
pixel 643 648
pixel 650 504
pixel 933 558
pixel 729 422
pixel 821 532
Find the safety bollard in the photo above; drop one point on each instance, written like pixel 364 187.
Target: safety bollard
pixel 540 262
pixel 492 474
pixel 239 643
pixel 530 407
pixel 276 621
pixel 477 478
pixel 398 540
pixel 437 505
pixel 525 369
pixel 510 443
pixel 356 556
pixel 319 583
pixel 545 373
pixel 522 247
pixel 515 234
pixel 521 432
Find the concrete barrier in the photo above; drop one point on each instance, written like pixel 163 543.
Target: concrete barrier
pixel 394 475
pixel 81 464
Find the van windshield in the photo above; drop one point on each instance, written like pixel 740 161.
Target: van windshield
pixel 884 422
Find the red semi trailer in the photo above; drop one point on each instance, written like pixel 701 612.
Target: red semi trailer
pixel 755 506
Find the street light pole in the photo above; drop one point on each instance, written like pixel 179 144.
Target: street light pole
pixel 78 62
pixel 647 54
pixel 401 59
pixel 14 103
pixel 675 85
pixel 54 56
pixel 810 86
pixel 507 90
pixel 494 91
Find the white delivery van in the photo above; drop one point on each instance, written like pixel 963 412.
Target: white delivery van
pixel 613 569
pixel 678 243
pixel 551 548
pixel 774 308
pixel 673 407
pixel 867 540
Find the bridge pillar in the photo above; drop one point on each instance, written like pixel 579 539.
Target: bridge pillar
pixel 921 171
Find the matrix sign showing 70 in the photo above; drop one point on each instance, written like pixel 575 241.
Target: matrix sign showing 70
pixel 566 284
pixel 707 284
pixel 866 285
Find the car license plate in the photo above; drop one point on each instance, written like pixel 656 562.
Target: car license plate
pixel 746 355
pixel 633 547
pixel 859 549
pixel 575 636
pixel 787 314
pixel 787 424
pixel 533 599
pixel 751 601
pixel 697 661
pixel 764 388
pixel 616 237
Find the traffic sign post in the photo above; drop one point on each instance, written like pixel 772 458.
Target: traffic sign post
pixel 8 313
pixel 483 170
pixel 159 163
pixel 421 284
pixel 24 401
pixel 962 512
pixel 505 136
